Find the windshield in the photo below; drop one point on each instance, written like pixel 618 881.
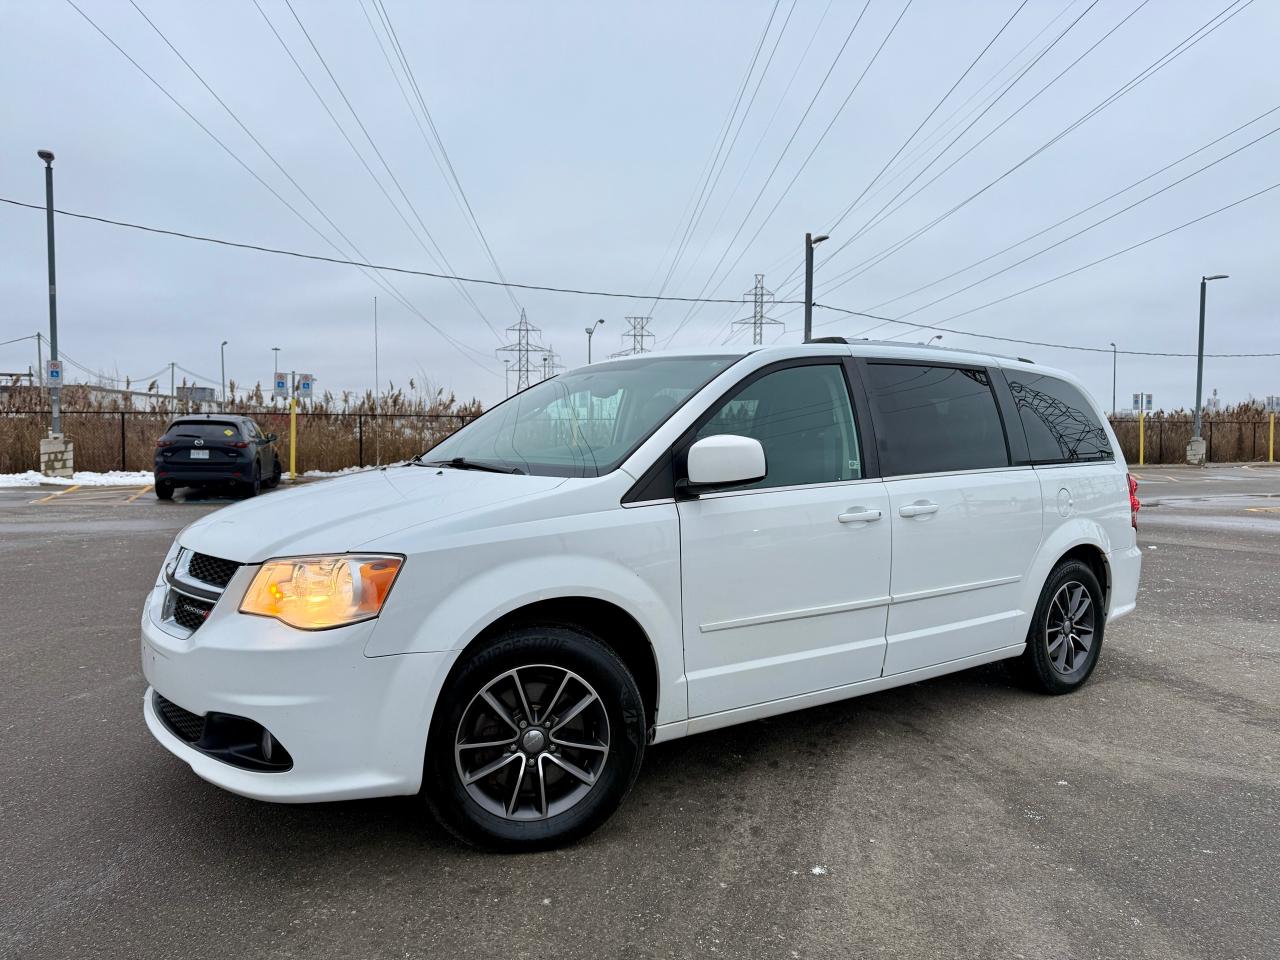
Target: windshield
pixel 583 423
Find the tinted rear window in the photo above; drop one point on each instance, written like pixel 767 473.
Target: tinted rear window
pixel 931 419
pixel 1060 423
pixel 205 430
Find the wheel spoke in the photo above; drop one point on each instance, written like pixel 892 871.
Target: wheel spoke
pixel 490 768
pixel 490 743
pixel 550 704
pixel 1055 644
pixel 524 701
pixel 542 786
pixel 499 708
pixel 576 709
pixel 1084 638
pixel 572 745
pixel 572 769
pixel 1081 604
pixel 515 793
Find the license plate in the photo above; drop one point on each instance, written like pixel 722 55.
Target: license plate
pixel 199 454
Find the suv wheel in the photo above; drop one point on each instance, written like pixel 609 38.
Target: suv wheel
pixel 536 739
pixel 1065 637
pixel 275 474
pixel 164 490
pixel 254 486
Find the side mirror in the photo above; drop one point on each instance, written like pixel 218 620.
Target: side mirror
pixel 725 460
pixel 270 438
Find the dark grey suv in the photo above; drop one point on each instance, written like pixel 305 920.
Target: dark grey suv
pixel 212 450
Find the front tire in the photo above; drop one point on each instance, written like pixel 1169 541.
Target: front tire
pixel 1065 637
pixel 254 486
pixel 536 740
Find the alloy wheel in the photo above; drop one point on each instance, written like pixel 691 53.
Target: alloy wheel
pixel 1069 627
pixel 532 743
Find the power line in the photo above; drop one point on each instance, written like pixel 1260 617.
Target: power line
pixel 1096 223
pixel 1204 31
pixel 711 179
pixel 374 266
pixel 1045 343
pixel 444 260
pixel 777 163
pixel 253 173
pixel 1078 213
pixel 458 191
pixel 1043 283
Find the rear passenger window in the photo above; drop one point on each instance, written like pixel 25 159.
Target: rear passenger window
pixel 803 419
pixel 1060 423
pixel 931 419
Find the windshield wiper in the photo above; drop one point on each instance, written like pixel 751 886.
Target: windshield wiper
pixel 461 463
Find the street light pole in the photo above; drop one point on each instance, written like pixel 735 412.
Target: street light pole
pixel 936 336
pixel 810 241
pixel 591 330
pixel 1195 449
pixel 222 353
pixel 1204 282
pixel 1113 379
pixel 55 392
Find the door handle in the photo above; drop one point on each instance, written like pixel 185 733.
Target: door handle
pixel 859 515
pixel 918 509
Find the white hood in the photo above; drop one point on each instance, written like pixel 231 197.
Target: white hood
pixel 340 515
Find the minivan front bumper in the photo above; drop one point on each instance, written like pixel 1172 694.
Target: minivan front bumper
pixel 353 726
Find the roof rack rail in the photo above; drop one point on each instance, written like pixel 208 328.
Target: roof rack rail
pixel 829 340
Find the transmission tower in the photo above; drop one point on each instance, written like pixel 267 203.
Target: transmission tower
pixel 524 336
pixel 639 335
pixel 551 364
pixel 758 296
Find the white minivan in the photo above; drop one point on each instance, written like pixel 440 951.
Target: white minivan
pixel 635 551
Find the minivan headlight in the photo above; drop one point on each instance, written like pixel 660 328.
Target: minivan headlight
pixel 315 593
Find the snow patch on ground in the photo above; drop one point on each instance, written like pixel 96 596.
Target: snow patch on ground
pixel 337 473
pixel 818 871
pixel 84 478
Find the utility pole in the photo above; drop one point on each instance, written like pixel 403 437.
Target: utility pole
pixel 759 295
pixel 40 357
pixel 222 353
pixel 1113 379
pixel 641 338
pixel 1195 449
pixel 55 391
pixel 524 342
pixel 810 241
pixel 377 432
pixel 550 363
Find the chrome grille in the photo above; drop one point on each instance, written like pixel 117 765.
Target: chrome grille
pixel 190 613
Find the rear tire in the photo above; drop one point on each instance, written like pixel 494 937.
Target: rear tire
pixel 254 486
pixel 164 490
pixel 1065 637
pixel 275 474
pixel 541 790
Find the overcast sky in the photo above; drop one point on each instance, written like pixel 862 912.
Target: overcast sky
pixel 580 132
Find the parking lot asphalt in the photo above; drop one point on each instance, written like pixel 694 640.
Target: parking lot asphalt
pixel 960 817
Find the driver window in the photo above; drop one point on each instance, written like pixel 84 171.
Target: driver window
pixel 804 420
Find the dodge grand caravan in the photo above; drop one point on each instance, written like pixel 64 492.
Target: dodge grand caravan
pixel 636 551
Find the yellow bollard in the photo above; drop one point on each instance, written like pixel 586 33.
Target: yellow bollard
pixel 1142 438
pixel 293 439
pixel 1271 441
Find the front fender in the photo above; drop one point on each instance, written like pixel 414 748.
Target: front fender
pixel 453 595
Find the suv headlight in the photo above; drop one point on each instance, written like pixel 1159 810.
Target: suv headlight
pixel 315 593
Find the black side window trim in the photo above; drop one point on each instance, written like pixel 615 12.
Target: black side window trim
pixel 658 482
pixel 1016 439
pixel 991 372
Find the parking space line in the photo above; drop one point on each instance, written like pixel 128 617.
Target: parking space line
pixel 148 487
pixel 59 493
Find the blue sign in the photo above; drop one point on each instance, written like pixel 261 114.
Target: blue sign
pixel 53 371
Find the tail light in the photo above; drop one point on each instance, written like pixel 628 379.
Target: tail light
pixel 240 444
pixel 1134 504
pixel 163 443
